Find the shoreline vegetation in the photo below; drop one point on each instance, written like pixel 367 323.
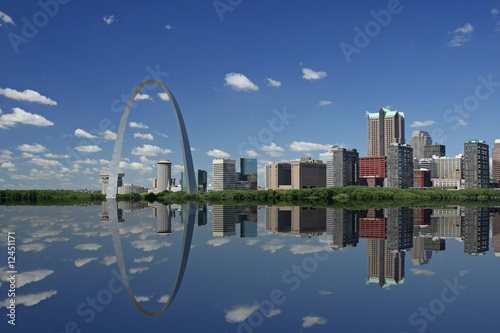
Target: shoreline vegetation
pixel 351 197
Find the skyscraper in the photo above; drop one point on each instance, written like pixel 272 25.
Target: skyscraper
pixel 163 214
pixel 418 141
pixel 342 167
pixel 201 180
pixel 496 160
pixel 246 171
pixel 434 150
pixel 224 221
pixel 224 174
pixel 384 128
pixel 476 164
pixel 476 230
pixel 400 166
pixel 384 267
pixel 164 175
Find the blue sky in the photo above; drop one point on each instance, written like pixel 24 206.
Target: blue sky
pixel 274 80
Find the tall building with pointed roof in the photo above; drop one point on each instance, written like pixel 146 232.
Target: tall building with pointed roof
pixel 384 128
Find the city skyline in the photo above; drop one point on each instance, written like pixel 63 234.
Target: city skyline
pixel 295 92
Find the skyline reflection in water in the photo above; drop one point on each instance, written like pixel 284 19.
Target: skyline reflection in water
pixel 240 254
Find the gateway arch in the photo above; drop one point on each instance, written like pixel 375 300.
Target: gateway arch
pixel 113 208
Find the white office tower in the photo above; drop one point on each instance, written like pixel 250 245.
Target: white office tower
pixel 164 175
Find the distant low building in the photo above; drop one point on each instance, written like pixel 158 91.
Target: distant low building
pixel 447 183
pixel 130 188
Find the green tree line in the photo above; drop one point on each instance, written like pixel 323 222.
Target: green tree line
pixel 47 197
pixel 355 197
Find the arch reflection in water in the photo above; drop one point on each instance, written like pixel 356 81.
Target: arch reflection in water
pixel 113 213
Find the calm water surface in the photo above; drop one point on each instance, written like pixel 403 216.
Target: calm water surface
pixel 252 269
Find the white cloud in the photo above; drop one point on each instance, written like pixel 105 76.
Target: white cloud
pixel 88 247
pixel 217 153
pixel 6 18
pixel 109 19
pixel 313 320
pixel 272 149
pixel 137 270
pixel 8 165
pixel 30 299
pixel 308 248
pixel 309 74
pixel 462 122
pixel 108 135
pixel 35 247
pixel 307 146
pixel 461 35
pixel 323 103
pixel 240 313
pixel 252 153
pixel 149 150
pixel 145 136
pixel 168 27
pixel 27 155
pixel 86 161
pixel 252 241
pixel 27 96
pixel 495 11
pixel 133 124
pixel 177 169
pixel 44 163
pixel 20 116
pixel 324 292
pixel 163 299
pixel 273 312
pixel 33 276
pixel 161 134
pixel 142 97
pixel 418 271
pixel 108 260
pixel 273 245
pixel 82 134
pixel 149 245
pixel 218 241
pixel 164 96
pixel 56 239
pixel 239 82
pixel 35 148
pixel 273 83
pixel 422 123
pixel 143 259
pixel 497 29
pixel 145 160
pixel 84 261
pixel 143 298
pixel 462 273
pixel 142 168
pixel 50 155
pixel 88 149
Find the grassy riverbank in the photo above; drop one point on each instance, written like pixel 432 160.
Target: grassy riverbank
pixel 354 197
